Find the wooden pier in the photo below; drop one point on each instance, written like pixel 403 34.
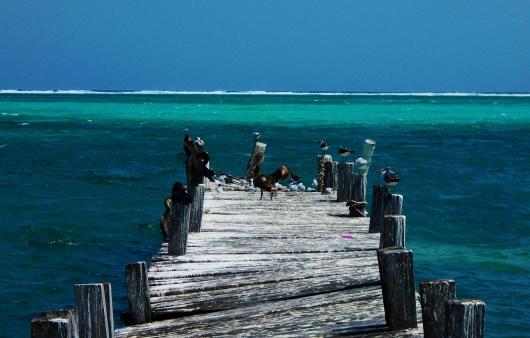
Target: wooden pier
pixel 295 265
pixel 299 264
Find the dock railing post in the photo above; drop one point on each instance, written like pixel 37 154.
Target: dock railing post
pixel 94 310
pixel 326 172
pixel 138 293
pixel 397 283
pixel 383 203
pixel 178 229
pixel 464 318
pixel 433 296
pixel 393 233
pixel 197 205
pixel 345 181
pixel 56 323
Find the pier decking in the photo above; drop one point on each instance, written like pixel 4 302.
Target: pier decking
pixel 296 265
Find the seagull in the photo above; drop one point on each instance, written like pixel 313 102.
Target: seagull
pixel 3 145
pixel 327 191
pixel 361 164
pixel 314 184
pixel 345 152
pixel 324 145
pixel 256 135
pixel 390 177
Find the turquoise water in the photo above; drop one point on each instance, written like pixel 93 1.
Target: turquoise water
pixel 82 179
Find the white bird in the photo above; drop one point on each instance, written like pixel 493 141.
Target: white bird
pixel 361 163
pixel 324 145
pixel 293 187
pixel 301 187
pixel 327 191
pixel 314 184
pixel 251 187
pixel 256 135
pixel 198 141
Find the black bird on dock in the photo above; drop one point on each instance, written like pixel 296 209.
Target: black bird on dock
pixel 345 152
pixel 324 145
pixel 389 177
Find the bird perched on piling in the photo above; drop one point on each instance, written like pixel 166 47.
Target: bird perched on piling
pixel 198 141
pixel 324 146
pixel 219 190
pixel 389 177
pixel 345 152
pixel 257 135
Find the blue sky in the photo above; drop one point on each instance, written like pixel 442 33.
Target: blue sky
pixel 474 46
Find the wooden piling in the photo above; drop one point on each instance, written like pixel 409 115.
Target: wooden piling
pixel 464 318
pixel 383 203
pixel 257 155
pixel 397 282
pixel 393 233
pixel 330 170
pixel 368 151
pixel 433 296
pixel 345 181
pixel 197 206
pixel 178 229
pixel 138 293
pixel 56 323
pixel 94 310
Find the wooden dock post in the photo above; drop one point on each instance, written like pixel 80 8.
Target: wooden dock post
pixel 55 323
pixel 197 206
pixel 138 293
pixel 397 282
pixel 94 310
pixel 383 203
pixel 433 296
pixel 464 318
pixel 393 234
pixel 178 229
pixel 345 181
pixel 257 155
pixel 326 172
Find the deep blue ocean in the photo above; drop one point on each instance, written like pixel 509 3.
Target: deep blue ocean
pixel 82 179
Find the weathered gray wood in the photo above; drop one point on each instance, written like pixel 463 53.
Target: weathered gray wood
pixel 397 282
pixel 56 323
pixel 345 181
pixel 94 310
pixel 393 234
pixel 138 293
pixel 433 296
pixel 464 318
pixel 206 181
pixel 178 230
pixel 258 152
pixel 330 170
pixel 383 203
pixel 197 206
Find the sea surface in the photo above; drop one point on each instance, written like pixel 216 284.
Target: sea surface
pixel 83 177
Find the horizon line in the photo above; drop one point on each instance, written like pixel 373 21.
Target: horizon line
pixel 257 92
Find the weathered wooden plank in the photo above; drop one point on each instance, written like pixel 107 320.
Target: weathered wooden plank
pixel 347 312
pixel 434 295
pixel 138 293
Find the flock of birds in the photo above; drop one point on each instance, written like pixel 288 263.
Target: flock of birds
pixel 271 182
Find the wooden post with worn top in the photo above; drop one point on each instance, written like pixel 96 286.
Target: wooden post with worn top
pixel 383 203
pixel 55 323
pixel 393 233
pixel 178 228
pixel 257 156
pixel 397 282
pixel 94 310
pixel 433 296
pixel 138 293
pixel 345 181
pixel 197 206
pixel 464 318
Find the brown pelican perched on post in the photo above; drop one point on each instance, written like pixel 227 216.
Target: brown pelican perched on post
pixel 345 152
pixel 389 177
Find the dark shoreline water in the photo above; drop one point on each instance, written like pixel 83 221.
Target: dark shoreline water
pixel 81 184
